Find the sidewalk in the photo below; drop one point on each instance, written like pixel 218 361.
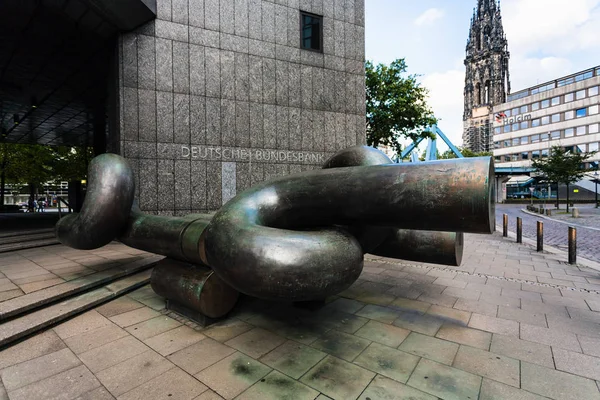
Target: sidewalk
pixel 510 323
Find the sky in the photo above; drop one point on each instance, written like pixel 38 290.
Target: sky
pixel 547 39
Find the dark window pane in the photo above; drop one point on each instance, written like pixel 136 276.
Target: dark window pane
pixel 311 32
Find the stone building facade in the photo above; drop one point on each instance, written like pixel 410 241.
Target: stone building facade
pixel 487 79
pixel 218 95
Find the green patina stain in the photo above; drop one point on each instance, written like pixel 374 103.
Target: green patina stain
pixel 241 367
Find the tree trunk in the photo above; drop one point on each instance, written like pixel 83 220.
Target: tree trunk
pixel 567 197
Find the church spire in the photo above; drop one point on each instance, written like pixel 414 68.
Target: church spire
pixel 487 78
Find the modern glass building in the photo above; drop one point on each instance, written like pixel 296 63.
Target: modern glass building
pixel 563 112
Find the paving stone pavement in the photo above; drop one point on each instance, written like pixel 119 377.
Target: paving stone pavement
pixel 510 323
pixel 555 233
pixel 30 270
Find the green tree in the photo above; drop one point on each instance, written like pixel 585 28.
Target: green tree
pixel 396 105
pixel 466 152
pixel 24 164
pixel 71 163
pixel 562 166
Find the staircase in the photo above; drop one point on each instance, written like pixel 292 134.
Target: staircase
pixel 26 239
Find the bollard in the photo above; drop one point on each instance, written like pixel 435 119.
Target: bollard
pixel 572 245
pixel 575 212
pixel 540 236
pixel 519 230
pixel 505 225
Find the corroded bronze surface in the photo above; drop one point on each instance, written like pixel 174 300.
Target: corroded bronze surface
pixel 425 246
pixel 193 286
pixel 301 237
pixel 106 208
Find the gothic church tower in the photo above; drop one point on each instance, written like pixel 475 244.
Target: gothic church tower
pixel 487 79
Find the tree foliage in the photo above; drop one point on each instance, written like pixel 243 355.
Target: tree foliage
pixel 396 105
pixel 35 165
pixel 562 166
pixel 466 152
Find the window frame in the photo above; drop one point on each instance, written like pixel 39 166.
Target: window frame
pixel 321 29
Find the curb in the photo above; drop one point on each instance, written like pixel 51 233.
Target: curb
pixel 584 262
pixel 559 221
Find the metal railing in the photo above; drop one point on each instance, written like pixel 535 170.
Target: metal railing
pixel 59 200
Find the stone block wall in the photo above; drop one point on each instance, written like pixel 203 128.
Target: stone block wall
pixel 217 95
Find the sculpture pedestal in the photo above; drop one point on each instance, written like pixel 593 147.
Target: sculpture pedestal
pixel 193 290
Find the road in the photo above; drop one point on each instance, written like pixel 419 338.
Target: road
pixel 555 233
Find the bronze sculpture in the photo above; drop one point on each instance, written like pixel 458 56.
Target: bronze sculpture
pixel 298 237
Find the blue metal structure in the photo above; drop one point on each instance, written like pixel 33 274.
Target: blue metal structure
pixel 431 153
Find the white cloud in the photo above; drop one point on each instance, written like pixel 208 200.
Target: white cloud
pixel 554 27
pixel 447 101
pixel 429 17
pixel 530 71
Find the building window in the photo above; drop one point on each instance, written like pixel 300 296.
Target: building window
pixel 524 155
pixel 506 128
pixel 569 132
pixel 507 143
pixel 555 134
pixel 525 140
pixel 535 138
pixel 593 109
pixel 535 106
pixel 515 141
pixel 593 128
pixel 545 137
pixel 535 122
pixel 545 153
pixel 580 130
pixel 497 130
pixel 592 147
pixel 515 111
pixel 496 145
pixel 497 159
pixel 569 115
pixel 593 91
pixel 523 109
pixel 311 31
pixel 515 157
pixel 515 127
pixel 545 103
pixel 569 97
pixel 524 125
pixel 506 113
pixel 555 118
pixel 581 112
pixel 580 94
pixel 535 154
pixel 545 120
pixel 556 100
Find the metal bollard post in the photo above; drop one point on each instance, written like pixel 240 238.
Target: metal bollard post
pixel 540 236
pixel 519 230
pixel 505 225
pixel 572 245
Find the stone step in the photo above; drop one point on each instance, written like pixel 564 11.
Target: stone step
pixel 20 305
pixel 24 232
pixel 22 238
pixel 5 248
pixel 35 321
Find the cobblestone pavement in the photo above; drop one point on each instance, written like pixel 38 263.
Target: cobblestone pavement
pixel 510 323
pixel 588 216
pixel 555 232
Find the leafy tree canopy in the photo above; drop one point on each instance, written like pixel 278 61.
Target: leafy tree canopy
pixel 396 105
pixel 465 152
pixel 562 166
